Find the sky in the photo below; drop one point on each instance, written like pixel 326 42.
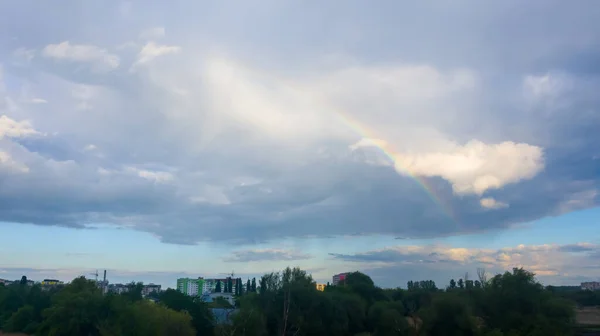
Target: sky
pixel 408 140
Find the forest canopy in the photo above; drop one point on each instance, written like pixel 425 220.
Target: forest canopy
pixel 288 303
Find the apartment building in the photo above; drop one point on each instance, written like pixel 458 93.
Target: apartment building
pixel 118 288
pixel 339 277
pixel 200 286
pixel 190 286
pixel 593 285
pixel 151 288
pixel 124 288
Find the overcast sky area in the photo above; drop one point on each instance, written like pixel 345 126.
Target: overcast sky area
pixel 409 140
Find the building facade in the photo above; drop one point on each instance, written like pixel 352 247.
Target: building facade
pixel 190 286
pixel 124 288
pixel 593 285
pixel 118 288
pixel 150 288
pixel 210 297
pixel 339 277
pixel 51 282
pixel 200 286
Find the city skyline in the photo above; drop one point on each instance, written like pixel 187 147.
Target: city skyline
pixel 408 141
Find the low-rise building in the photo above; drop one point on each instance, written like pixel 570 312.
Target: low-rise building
pixel 51 282
pixel 592 285
pixel 118 288
pixel 210 297
pixel 150 288
pixel 124 288
pixel 6 282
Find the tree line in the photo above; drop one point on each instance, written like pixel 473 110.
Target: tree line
pixel 287 303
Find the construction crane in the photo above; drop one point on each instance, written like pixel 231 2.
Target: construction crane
pixel 95 274
pixel 231 275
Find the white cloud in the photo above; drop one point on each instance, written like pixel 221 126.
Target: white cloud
pixel 15 129
pixel 153 33
pixel 38 101
pixel 269 254
pixel 99 58
pixel 368 142
pixel 476 167
pixel 154 176
pixel 491 203
pixel 152 50
pixel 544 260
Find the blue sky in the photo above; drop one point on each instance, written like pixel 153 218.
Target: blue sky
pixel 406 140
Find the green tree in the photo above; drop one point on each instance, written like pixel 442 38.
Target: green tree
pixel 239 286
pixel 449 315
pixel 23 320
pixel 145 318
pixel 461 284
pixel 134 291
pixel 23 281
pixel 202 319
pixel 387 318
pixel 516 302
pixel 355 309
pixel 229 285
pixel 248 286
pixel 218 287
pixel 253 285
pixel 452 284
pixel 75 310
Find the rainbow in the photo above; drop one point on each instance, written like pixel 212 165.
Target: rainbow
pixel 365 133
pixel 382 145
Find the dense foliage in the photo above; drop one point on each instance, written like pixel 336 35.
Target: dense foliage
pixel 288 303
pixel 80 308
pixel 512 303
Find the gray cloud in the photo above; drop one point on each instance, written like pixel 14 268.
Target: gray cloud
pixel 563 264
pixel 210 139
pixel 266 255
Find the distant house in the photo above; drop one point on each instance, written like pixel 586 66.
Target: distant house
pixel 210 297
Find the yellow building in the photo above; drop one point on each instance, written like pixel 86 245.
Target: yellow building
pixel 51 282
pixel 321 287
